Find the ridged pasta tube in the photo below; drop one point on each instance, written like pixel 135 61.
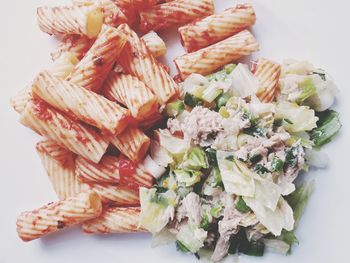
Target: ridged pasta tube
pixel 137 60
pixel 55 216
pixel 209 59
pixel 49 122
pixel 107 172
pixel 115 220
pixel 92 70
pixel 59 165
pixel 214 28
pixel 174 13
pixel 268 73
pixel 84 104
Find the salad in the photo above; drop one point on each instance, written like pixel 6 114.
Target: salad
pixel 227 165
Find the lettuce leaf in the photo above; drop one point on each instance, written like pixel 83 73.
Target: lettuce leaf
pixel 156 209
pixel 194 159
pixel 188 178
pixel 191 237
pixel 172 144
pixel 301 118
pixel 236 176
pixel 274 221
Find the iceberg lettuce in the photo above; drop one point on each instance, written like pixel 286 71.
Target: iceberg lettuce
pixel 156 209
pixel 192 237
pixel 236 176
pixel 301 118
pixel 274 221
pixel 172 144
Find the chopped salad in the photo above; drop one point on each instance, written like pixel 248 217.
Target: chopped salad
pixel 227 164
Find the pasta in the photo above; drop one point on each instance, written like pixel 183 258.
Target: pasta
pixel 91 71
pixel 132 93
pixel 64 65
pixel 20 100
pixel 66 20
pixel 55 151
pixel 207 60
pixel 108 171
pixel 74 136
pixel 84 104
pixel 78 45
pixel 75 44
pixel 59 165
pixel 117 195
pixel 137 60
pixel 154 43
pixel 174 13
pixel 211 29
pixel 115 220
pixel 55 216
pixel 132 142
pixel 112 15
pixel 268 73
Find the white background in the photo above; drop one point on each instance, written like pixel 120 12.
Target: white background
pixel 315 30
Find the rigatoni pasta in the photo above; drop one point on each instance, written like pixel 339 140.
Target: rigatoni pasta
pixel 55 216
pixel 117 195
pixel 115 220
pixel 66 20
pixel 86 105
pixel 76 137
pixel 211 29
pixel 59 165
pixel 55 151
pixel 20 100
pixel 137 60
pixel 268 73
pixel 108 171
pixel 154 43
pixel 174 13
pixel 92 70
pixel 207 60
pixel 64 65
pixel 132 93
pixel 74 44
pixel 132 142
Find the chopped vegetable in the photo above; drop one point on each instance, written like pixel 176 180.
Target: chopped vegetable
pixel 191 237
pixel 188 178
pixel 308 89
pixel 327 127
pixel 192 101
pixel 174 108
pixel 277 165
pixel 181 247
pixel 224 113
pixel 211 93
pixel 153 208
pixel 299 198
pixel 222 74
pixel 222 100
pixel 211 156
pixel 255 158
pixel 195 159
pixel 241 206
pixel 244 83
pixel 302 118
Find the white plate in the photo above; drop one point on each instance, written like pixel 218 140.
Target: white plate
pixel 314 30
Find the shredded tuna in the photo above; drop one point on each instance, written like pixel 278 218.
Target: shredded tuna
pixel 261 145
pixel 201 125
pixel 227 227
pixel 191 208
pixel 292 172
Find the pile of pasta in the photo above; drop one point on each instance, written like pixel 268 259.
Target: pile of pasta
pixel 106 90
